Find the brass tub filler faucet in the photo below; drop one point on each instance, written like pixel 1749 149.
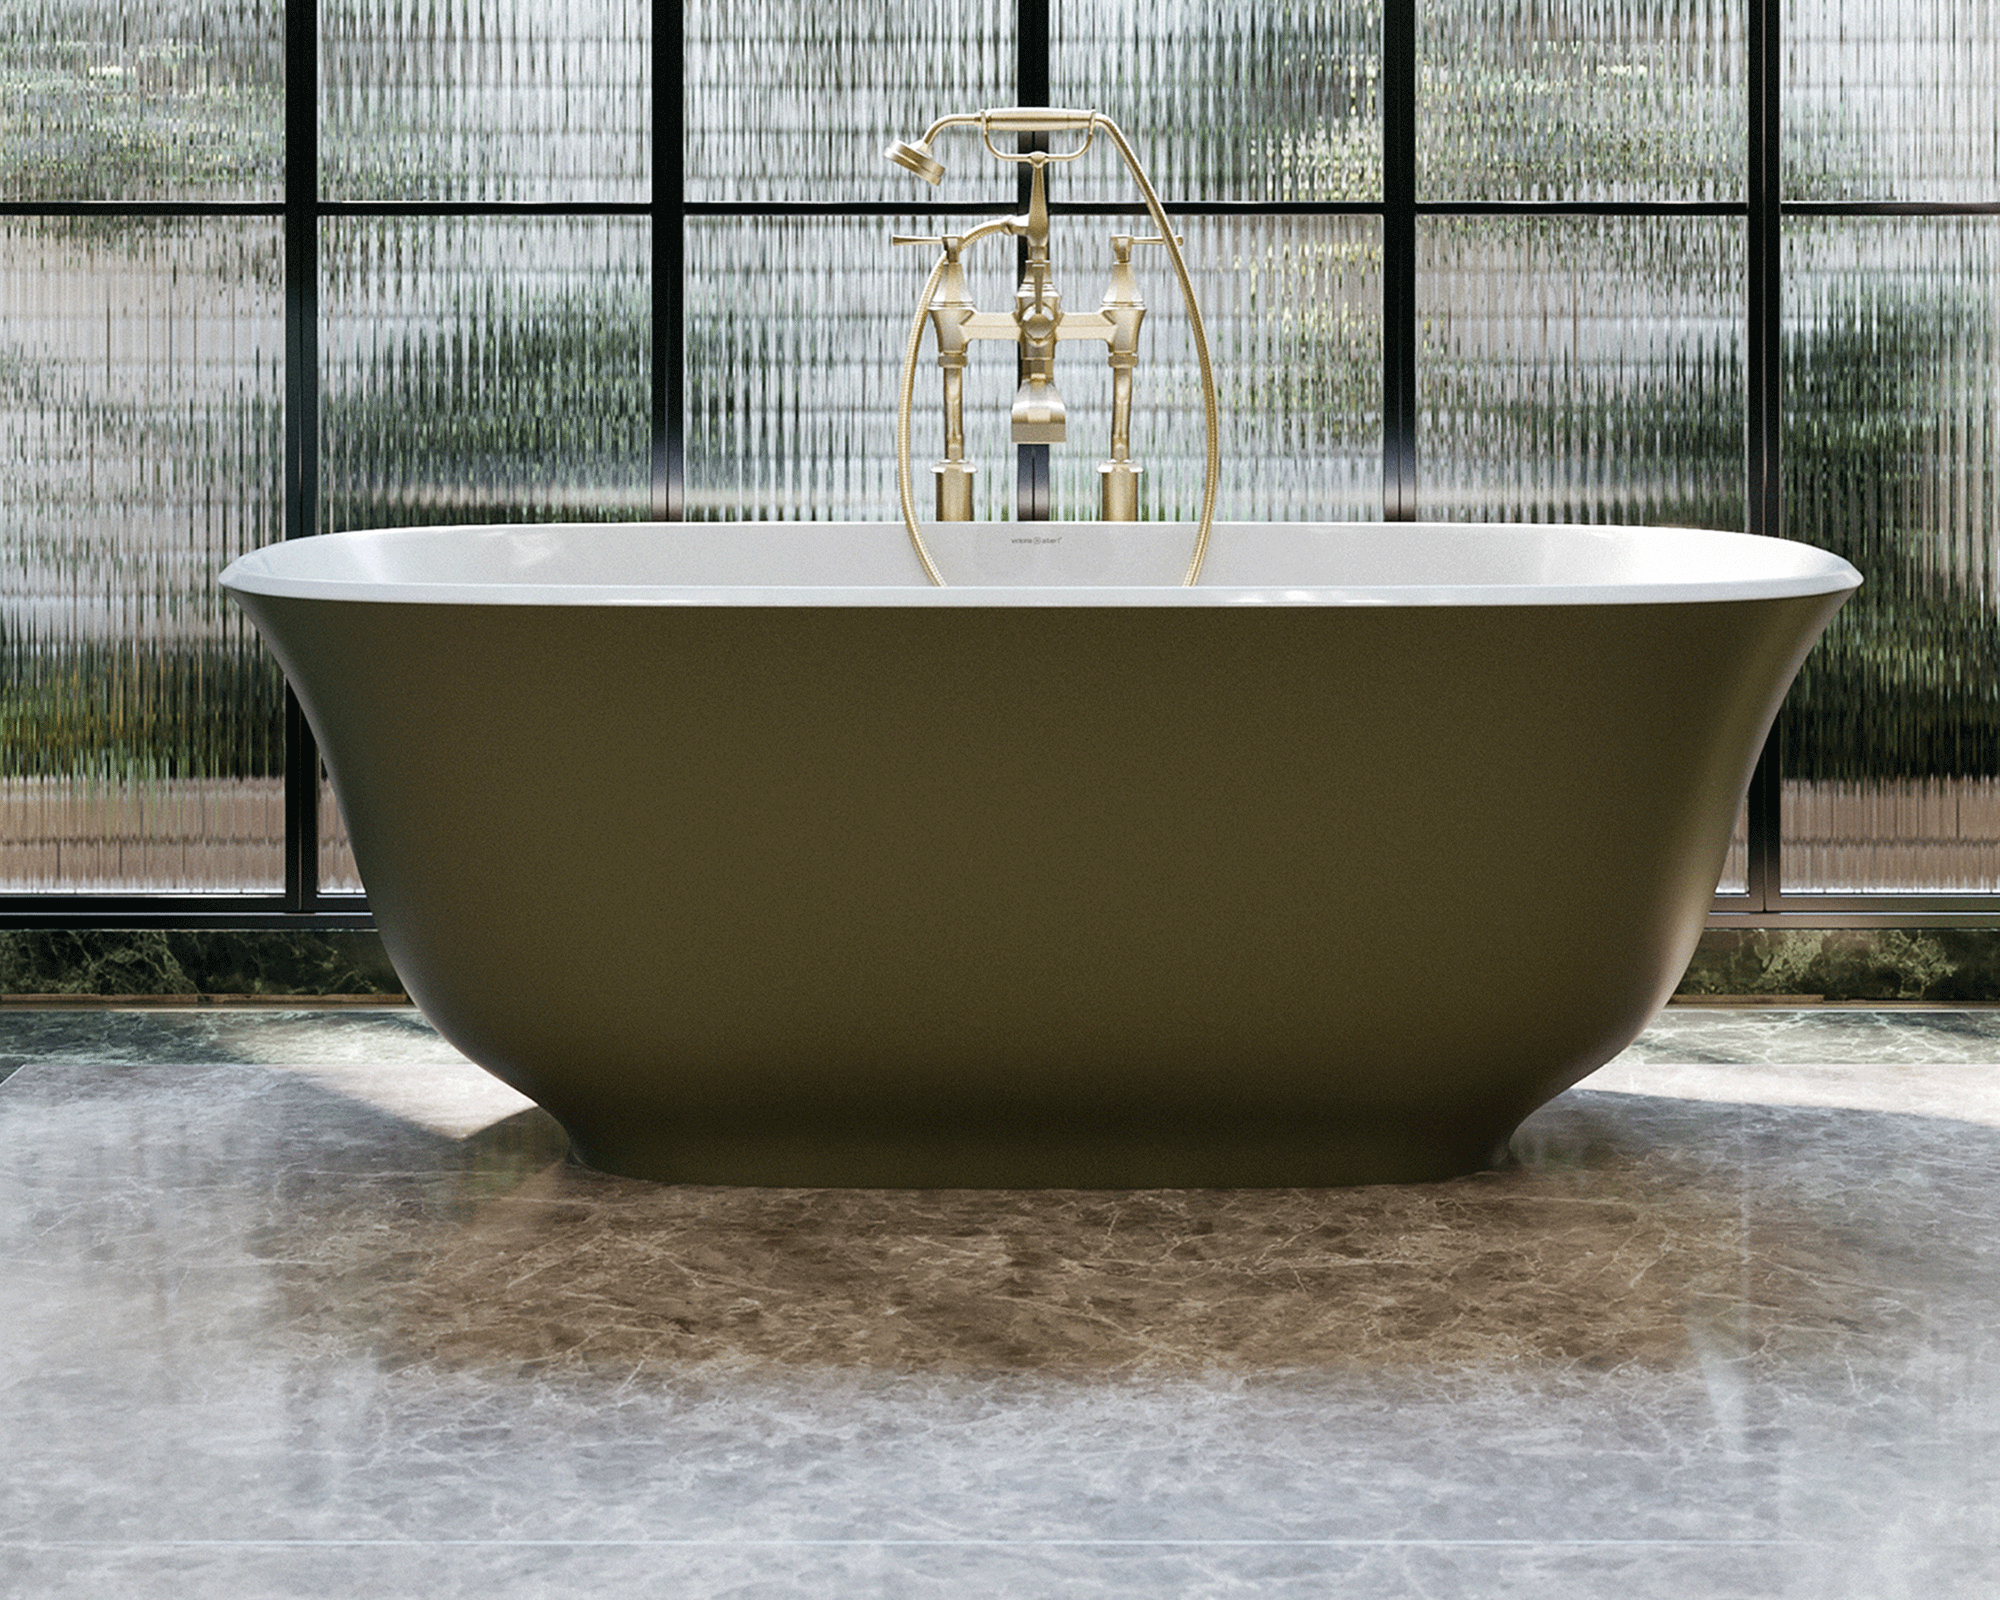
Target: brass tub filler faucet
pixel 1037 324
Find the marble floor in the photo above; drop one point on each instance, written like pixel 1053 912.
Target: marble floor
pixel 300 1304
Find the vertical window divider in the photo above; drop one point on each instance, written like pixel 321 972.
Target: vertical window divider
pixel 1034 488
pixel 302 468
pixel 1399 260
pixel 669 262
pixel 1764 392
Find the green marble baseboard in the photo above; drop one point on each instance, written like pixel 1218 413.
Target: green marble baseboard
pixel 1952 966
pixel 205 965
pixel 1949 966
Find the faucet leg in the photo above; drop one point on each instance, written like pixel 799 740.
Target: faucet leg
pixel 1125 311
pixel 1120 476
pixel 954 490
pixel 954 472
pixel 1118 482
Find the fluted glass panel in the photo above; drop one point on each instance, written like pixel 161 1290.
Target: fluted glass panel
pixel 796 328
pixel 1581 369
pixel 1580 99
pixel 510 100
pixel 1892 100
pixel 337 871
pixel 141 449
pixel 796 99
pixel 1293 308
pixel 1233 101
pixel 1889 835
pixel 1735 877
pixel 1891 737
pixel 484 369
pixel 102 100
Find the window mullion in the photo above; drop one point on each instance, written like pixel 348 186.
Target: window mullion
pixel 1764 396
pixel 302 379
pixel 669 246
pixel 1399 260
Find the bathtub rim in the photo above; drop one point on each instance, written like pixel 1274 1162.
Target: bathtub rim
pixel 311 569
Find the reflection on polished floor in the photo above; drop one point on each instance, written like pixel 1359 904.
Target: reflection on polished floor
pixel 300 1304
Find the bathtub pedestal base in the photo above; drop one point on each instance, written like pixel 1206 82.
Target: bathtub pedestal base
pixel 1297 1155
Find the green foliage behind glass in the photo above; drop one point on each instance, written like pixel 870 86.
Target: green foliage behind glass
pixel 505 377
pixel 1906 683
pixel 168 101
pixel 194 710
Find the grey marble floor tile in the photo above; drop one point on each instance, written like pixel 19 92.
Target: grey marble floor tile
pixel 313 1315
pixel 1003 1570
pixel 1687 1035
pixel 1962 1092
pixel 1809 1034
pixel 218 1034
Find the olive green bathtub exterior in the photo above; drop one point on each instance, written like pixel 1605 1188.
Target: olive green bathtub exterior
pixel 1040 895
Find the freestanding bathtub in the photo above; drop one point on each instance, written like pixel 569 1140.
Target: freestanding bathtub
pixel 755 859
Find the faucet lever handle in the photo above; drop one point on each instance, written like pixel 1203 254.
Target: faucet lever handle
pixel 916 238
pixel 1121 245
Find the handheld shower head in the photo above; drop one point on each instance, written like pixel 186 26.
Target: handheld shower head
pixel 916 157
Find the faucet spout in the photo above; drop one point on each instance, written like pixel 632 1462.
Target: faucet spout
pixel 1039 415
